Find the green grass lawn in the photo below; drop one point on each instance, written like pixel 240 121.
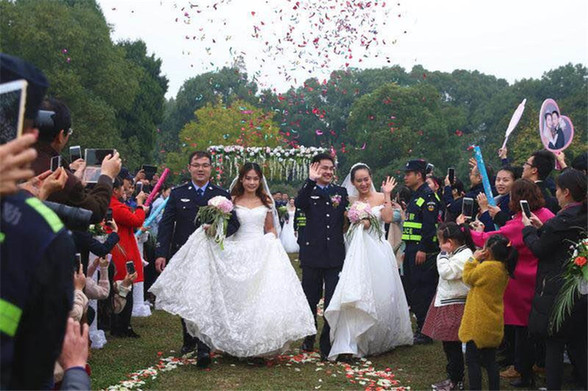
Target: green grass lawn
pixel 416 367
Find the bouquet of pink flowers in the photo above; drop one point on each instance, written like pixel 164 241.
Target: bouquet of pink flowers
pixel 359 211
pixel 217 213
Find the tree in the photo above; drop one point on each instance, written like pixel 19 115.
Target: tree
pixel 217 124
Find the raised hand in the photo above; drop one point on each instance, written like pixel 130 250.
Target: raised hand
pixel 502 153
pixel 314 171
pixel 388 185
pixel 483 202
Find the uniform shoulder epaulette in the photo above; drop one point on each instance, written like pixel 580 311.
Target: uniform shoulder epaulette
pixel 180 185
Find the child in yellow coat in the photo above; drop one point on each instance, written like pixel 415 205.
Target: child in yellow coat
pixel 482 325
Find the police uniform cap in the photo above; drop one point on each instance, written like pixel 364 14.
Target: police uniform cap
pixel 418 165
pixel 14 68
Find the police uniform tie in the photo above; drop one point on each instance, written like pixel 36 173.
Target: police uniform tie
pixel 199 192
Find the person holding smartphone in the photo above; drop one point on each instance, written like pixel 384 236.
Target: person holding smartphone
pixel 521 289
pixel 127 220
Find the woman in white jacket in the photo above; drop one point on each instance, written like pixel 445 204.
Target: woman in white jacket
pixel 446 310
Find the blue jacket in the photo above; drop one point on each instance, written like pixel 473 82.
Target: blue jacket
pixel 178 221
pixel 322 244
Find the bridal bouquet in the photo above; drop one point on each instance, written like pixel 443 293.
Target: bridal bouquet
pixel 359 211
pixel 575 283
pixel 217 213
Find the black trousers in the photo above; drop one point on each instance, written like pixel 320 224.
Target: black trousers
pixel 313 280
pixel 455 365
pixel 121 322
pixel 421 282
pixel 524 352
pixel 193 342
pixel 478 358
pixel 573 335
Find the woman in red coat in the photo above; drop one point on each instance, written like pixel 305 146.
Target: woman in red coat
pixel 128 221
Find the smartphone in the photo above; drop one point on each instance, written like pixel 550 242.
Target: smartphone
pixel 55 163
pixel 451 174
pixel 138 187
pixel 149 171
pixel 108 217
pixel 130 267
pixel 525 208
pixel 75 153
pixel 13 96
pixel 467 207
pixel 94 157
pixel 78 261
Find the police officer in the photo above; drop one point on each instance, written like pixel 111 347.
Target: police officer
pixel 299 225
pixel 36 265
pixel 420 235
pixel 178 223
pixel 322 249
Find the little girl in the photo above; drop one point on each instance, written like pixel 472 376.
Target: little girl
pixel 446 309
pixel 482 326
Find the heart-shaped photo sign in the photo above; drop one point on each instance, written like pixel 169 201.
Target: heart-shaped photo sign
pixel 556 130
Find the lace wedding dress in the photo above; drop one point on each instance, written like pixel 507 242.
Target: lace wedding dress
pixel 245 300
pixel 368 313
pixel 287 236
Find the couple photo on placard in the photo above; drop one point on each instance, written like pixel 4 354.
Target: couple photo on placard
pixel 242 296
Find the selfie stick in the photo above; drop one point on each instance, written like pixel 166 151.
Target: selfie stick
pixel 157 186
pixel 152 216
pixel 484 175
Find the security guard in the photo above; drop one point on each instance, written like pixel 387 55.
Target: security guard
pixel 179 222
pixel 36 291
pixel 299 225
pixel 420 235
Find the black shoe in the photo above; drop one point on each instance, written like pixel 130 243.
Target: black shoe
pixel 421 339
pixel 187 349
pixel 308 344
pixel 324 357
pixel 523 382
pixel 131 334
pixel 345 358
pixel 203 360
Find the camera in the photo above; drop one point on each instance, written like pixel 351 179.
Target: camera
pixel 75 219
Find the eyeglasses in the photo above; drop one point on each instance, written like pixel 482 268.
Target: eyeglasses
pixel 205 165
pixel 527 164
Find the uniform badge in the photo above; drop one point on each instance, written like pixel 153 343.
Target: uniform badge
pixel 431 206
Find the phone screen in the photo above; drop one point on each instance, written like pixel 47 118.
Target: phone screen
pixel 108 216
pixel 467 207
pixel 451 174
pixel 130 267
pixel 75 153
pixel 78 261
pixel 94 157
pixel 55 163
pixel 525 208
pixel 138 187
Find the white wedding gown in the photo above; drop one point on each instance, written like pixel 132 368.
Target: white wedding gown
pixel 368 313
pixel 245 300
pixel 287 236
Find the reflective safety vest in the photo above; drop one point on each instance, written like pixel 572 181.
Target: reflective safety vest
pixel 22 217
pixel 301 220
pixel 411 229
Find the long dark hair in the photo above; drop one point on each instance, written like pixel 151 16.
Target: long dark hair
pixel 239 190
pixel 460 233
pixel 575 182
pixel 503 251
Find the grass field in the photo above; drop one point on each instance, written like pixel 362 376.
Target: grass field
pixel 416 367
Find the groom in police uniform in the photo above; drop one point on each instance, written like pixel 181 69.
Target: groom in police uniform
pixel 322 249
pixel 178 223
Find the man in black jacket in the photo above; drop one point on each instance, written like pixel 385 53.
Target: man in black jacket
pixel 537 168
pixel 178 223
pixel 322 249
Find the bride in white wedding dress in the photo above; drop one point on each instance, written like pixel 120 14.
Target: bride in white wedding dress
pixel 245 300
pixel 368 313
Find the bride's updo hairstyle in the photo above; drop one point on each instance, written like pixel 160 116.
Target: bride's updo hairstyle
pixel 239 190
pixel 359 166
